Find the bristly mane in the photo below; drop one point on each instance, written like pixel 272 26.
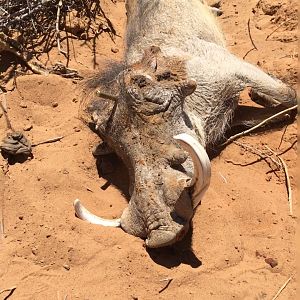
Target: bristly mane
pixel 105 81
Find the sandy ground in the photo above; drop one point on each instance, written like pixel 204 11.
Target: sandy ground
pixel 244 219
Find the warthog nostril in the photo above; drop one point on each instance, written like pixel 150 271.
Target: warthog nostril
pixel 139 80
pixel 164 76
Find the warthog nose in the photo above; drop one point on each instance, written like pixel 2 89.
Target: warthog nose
pixel 164 237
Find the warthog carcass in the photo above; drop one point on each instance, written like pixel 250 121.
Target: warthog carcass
pixel 181 91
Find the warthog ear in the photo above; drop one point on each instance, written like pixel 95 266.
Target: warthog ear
pixel 149 59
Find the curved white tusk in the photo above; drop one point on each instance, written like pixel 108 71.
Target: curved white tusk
pixel 83 214
pixel 202 168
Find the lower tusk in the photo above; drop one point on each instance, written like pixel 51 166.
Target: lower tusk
pixel 83 214
pixel 202 168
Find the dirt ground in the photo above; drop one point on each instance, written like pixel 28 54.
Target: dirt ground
pixel 242 224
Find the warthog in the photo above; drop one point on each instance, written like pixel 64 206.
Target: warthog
pixel 181 91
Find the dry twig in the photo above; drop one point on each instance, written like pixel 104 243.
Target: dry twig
pixel 234 137
pixel 282 136
pixel 169 280
pixel 4 109
pixel 259 153
pixel 251 39
pixel 59 5
pixel 287 179
pixel 106 95
pixel 53 140
pixel 1 223
pixel 10 290
pixel 282 288
pixel 282 23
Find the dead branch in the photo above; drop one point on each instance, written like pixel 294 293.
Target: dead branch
pixel 169 280
pixel 22 14
pixel 282 136
pixel 282 288
pixel 10 290
pixel 5 46
pixel 106 96
pixel 288 148
pixel 281 24
pixel 59 5
pixel 1 223
pixel 4 109
pixel 251 39
pixel 259 153
pixel 53 140
pixel 287 179
pixel 234 137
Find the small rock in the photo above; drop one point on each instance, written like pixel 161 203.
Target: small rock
pixel 54 104
pixel 34 251
pixel 272 262
pixel 65 171
pixel 259 254
pixel 269 177
pixel 114 50
pixel 1 114
pixel 67 267
pixel 74 100
pixel 216 4
pixel 23 104
pixel 21 217
pixel 48 235
pixel 27 127
pixel 76 129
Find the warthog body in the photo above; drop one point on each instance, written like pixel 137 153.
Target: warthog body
pixel 182 90
pixel 188 30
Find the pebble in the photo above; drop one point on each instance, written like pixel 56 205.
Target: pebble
pixel 67 267
pixel 27 127
pixel 1 114
pixel 272 262
pixel 76 129
pixel 54 104
pixel 259 254
pixel 23 104
pixel 34 251
pixel 114 50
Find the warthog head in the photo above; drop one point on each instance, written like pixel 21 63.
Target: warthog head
pixel 147 128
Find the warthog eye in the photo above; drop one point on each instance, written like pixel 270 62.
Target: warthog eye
pixel 164 76
pixel 140 80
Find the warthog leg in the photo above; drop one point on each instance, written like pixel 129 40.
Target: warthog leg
pixel 265 89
